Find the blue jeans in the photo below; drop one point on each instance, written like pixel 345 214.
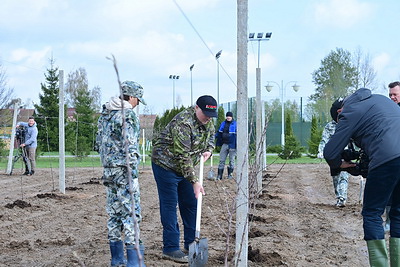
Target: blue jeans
pixel 382 182
pixel 174 189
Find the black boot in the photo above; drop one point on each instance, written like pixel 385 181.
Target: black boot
pixel 220 172
pixel 26 171
pixel 230 171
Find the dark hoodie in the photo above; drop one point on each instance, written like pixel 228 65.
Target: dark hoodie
pixel 373 122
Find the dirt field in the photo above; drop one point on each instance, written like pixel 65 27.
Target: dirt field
pixel 293 223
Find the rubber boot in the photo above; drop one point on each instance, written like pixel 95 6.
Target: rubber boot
pixel 230 171
pixel 133 259
pixel 26 171
pixel 394 248
pixel 220 173
pixel 377 252
pixel 117 253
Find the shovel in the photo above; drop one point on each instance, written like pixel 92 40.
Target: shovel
pixel 211 172
pixel 198 249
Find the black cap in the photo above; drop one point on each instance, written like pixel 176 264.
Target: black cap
pixel 229 114
pixel 335 106
pixel 208 105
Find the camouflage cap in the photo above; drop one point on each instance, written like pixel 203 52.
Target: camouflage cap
pixel 133 89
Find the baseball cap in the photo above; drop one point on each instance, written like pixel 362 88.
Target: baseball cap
pixel 208 105
pixel 335 106
pixel 133 89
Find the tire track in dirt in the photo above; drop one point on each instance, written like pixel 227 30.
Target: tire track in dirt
pixel 307 229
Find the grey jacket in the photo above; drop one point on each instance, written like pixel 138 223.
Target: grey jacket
pixel 373 122
pixel 31 134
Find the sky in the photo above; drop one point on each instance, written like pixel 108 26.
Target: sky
pixel 153 39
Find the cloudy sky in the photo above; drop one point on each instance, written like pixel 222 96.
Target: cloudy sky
pixel 152 39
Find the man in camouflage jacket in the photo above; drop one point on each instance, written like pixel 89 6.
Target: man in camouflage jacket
pixel 176 152
pixel 340 181
pixel 111 142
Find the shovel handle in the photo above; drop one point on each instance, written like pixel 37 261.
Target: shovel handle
pixel 200 198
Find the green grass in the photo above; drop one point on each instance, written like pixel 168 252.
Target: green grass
pixel 72 162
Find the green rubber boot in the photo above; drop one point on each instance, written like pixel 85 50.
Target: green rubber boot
pixel 394 249
pixel 377 252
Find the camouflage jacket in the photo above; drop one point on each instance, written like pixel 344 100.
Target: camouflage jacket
pixel 179 145
pixel 329 130
pixel 109 139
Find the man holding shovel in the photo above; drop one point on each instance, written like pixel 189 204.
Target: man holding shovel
pixel 176 152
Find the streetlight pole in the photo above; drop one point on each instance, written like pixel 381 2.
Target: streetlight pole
pixel 282 92
pixel 217 58
pixel 259 140
pixel 191 85
pixel 173 77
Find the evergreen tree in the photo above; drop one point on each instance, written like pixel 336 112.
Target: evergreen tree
pixel 47 111
pixel 315 138
pixel 80 132
pixel 292 148
pixel 161 122
pixel 220 118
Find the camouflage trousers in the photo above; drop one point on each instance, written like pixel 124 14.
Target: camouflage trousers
pixel 119 205
pixel 340 184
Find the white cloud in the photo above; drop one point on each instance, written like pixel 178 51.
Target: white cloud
pixel 341 13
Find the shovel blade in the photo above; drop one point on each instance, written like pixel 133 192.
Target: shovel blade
pixel 198 253
pixel 211 175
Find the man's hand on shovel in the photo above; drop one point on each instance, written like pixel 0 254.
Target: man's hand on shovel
pixel 206 155
pixel 198 189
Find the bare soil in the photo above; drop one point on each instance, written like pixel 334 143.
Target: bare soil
pixel 292 223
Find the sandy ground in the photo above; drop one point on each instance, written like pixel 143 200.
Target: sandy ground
pixel 293 223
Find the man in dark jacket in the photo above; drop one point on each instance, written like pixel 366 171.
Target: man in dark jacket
pixel 372 121
pixel 226 139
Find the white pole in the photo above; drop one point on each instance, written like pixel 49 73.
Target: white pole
pixel 283 115
pixel 259 140
pixel 144 147
pixel 61 137
pixel 264 138
pixel 218 81
pixel 11 153
pixel 173 93
pixel 242 204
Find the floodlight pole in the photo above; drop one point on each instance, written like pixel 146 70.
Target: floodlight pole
pixel 259 140
pixel 191 85
pixel 173 78
pixel 217 58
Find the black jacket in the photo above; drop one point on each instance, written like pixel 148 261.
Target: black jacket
pixel 373 122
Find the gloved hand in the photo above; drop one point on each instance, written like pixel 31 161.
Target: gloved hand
pixel 320 155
